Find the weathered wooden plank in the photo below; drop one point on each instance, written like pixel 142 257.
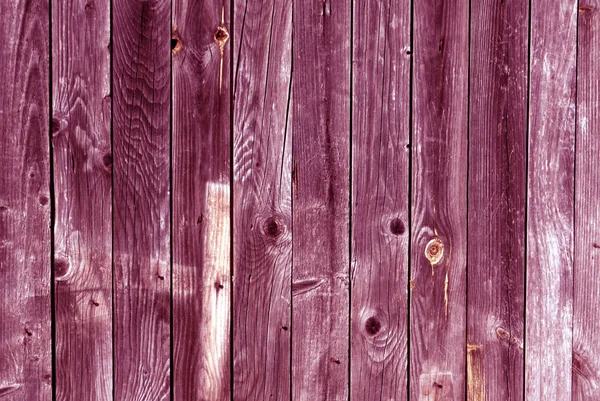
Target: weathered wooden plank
pixel 25 334
pixel 141 75
pixel 201 200
pixel 83 195
pixel 320 189
pixel 439 160
pixel 380 215
pixel 262 200
pixel 549 298
pixel 497 191
pixel 586 269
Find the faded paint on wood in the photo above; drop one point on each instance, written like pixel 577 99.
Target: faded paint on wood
pixel 201 200
pixel 141 106
pixel 320 191
pixel 439 163
pixel 262 200
pixel 586 271
pixel 380 214
pixel 25 333
pixel 549 309
pixel 81 129
pixel 497 193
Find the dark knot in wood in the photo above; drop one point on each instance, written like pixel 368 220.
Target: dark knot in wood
pixel 272 227
pixel 397 226
pixel 221 36
pixel 372 326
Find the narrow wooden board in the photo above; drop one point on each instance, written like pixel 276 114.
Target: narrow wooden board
pixel 25 314
pixel 586 270
pixel 201 200
pixel 439 194
pixel 81 125
pixel 141 107
pixel 549 297
pixel 380 201
pixel 262 200
pixel 497 192
pixel 320 189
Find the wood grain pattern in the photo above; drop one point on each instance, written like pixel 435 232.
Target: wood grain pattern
pixel 141 62
pixel 439 160
pixel 201 200
pixel 586 269
pixel 25 334
pixel 549 296
pixel 380 215
pixel 320 190
pixel 497 192
pixel 81 142
pixel 262 200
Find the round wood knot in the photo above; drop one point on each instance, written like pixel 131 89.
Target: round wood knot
pixel 272 227
pixel 107 161
pixel 176 43
pixel 221 36
pixel 397 226
pixel 43 199
pixel 372 326
pixel 434 251
pixel 61 267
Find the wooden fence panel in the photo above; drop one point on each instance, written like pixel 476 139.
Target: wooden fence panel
pixel 141 84
pixel 25 313
pixel 497 192
pixel 320 198
pixel 586 269
pixel 549 308
pixel 380 200
pixel 81 130
pixel 201 199
pixel 262 200
pixel 439 194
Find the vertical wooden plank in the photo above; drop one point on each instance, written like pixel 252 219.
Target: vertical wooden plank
pixel 320 188
pixel 586 270
pixel 25 334
pixel 141 76
pixel 82 184
pixel 549 298
pixel 201 199
pixel 438 252
pixel 262 200
pixel 497 192
pixel 380 235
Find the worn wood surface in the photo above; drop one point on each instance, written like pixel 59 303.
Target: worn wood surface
pixel 25 332
pixel 141 106
pixel 549 308
pixel 262 200
pixel 201 200
pixel 586 268
pixel 428 232
pixel 81 129
pixel 320 192
pixel 497 192
pixel 380 201
pixel 439 163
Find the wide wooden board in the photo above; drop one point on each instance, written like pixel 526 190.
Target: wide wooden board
pixel 81 139
pixel 142 274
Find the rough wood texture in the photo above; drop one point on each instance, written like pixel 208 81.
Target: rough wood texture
pixel 25 335
pixel 380 214
pixel 439 152
pixel 497 193
pixel 201 200
pixel 262 200
pixel 586 285
pixel 81 141
pixel 320 189
pixel 141 62
pixel 550 200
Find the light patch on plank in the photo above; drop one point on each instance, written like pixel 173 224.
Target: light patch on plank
pixel 436 386
pixel 215 278
pixel 475 373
